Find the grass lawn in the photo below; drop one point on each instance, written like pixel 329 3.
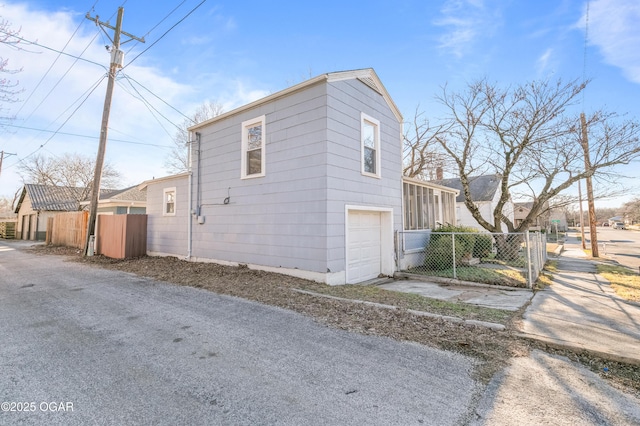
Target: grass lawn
pixel 625 282
pixel 496 276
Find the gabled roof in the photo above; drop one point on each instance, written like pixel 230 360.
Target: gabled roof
pixel 367 76
pixel 483 188
pixel 128 194
pixel 143 185
pixel 51 198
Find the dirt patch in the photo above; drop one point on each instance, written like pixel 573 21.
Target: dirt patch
pixel 491 348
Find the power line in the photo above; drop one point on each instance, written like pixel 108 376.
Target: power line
pixel 50 68
pixel 165 33
pixel 54 50
pixel 60 127
pixel 151 109
pixel 79 99
pixel 87 136
pixel 128 77
pixel 158 24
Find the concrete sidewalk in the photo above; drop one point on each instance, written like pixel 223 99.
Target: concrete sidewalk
pixel 581 311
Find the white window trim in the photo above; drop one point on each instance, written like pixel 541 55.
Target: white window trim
pixel 164 201
pixel 243 163
pixel 364 117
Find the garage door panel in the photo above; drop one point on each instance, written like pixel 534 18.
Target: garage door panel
pixel 364 250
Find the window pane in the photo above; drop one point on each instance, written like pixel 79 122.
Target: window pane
pixel 170 196
pixel 425 208
pixel 254 137
pixel 369 160
pixel 170 208
pixel 407 209
pixel 369 135
pixel 254 161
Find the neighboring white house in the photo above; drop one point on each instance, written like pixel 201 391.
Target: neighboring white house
pixel 485 193
pixel 307 182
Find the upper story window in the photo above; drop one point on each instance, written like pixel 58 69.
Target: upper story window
pixel 253 152
pixel 370 146
pixel 169 202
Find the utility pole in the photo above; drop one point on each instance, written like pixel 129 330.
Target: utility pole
pixel 2 155
pixel 117 60
pixel 593 233
pixel 584 242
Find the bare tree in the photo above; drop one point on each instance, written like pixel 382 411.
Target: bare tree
pixel 422 158
pixel 631 210
pixel 529 136
pixel 70 170
pixel 177 160
pixel 8 88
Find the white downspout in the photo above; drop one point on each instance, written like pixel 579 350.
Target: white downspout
pixel 190 202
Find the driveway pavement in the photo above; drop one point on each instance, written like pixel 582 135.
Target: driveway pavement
pixel 121 349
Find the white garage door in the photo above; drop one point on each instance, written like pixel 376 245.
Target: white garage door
pixel 363 246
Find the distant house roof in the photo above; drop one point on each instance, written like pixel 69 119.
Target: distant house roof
pixel 51 198
pixel 128 194
pixel 526 205
pixel 483 188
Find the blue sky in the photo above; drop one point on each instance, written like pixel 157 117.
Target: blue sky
pixel 236 52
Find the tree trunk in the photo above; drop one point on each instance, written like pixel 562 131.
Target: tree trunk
pixel 508 246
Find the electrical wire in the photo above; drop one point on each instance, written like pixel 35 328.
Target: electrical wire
pixel 89 137
pixel 49 70
pixel 156 25
pixel 128 77
pixel 54 50
pixel 61 126
pixel 149 107
pixel 165 33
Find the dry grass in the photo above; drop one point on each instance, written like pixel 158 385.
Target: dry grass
pixel 625 282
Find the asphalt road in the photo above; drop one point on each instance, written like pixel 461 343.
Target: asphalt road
pixel 618 244
pixel 82 345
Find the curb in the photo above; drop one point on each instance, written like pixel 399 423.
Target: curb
pixel 580 348
pixel 490 325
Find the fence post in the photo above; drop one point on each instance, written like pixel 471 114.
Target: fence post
pixel 528 244
pixel 453 246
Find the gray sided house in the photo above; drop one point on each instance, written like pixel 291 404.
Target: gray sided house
pixel 307 182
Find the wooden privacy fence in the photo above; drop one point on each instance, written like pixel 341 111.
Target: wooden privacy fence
pixel 122 236
pixel 8 230
pixel 68 229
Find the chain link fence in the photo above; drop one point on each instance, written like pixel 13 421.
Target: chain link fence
pixel 510 259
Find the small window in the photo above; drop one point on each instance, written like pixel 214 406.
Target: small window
pixel 253 152
pixel 169 202
pixel 370 146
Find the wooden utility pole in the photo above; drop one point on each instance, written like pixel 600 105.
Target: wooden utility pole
pixel 593 232
pixel 117 60
pixel 2 155
pixel 584 241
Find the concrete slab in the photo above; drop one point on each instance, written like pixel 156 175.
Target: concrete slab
pixel 425 289
pixel 485 296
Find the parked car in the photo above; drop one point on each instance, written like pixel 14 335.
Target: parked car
pixel 605 223
pixel 618 225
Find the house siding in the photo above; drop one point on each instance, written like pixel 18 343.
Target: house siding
pixel 292 219
pixel 167 235
pixel 345 183
pixel 278 220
